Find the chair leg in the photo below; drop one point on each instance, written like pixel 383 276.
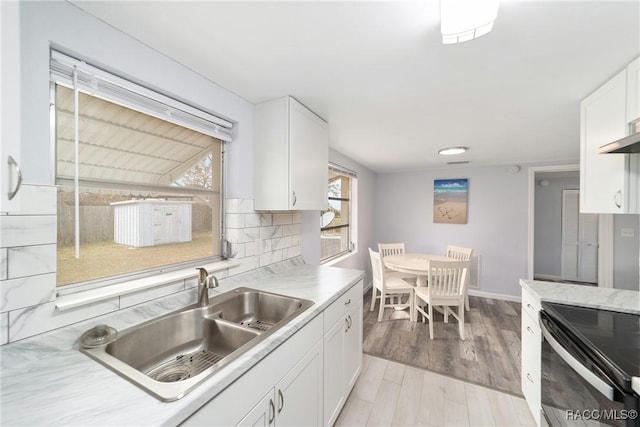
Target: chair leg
pixel 461 310
pixel 466 302
pixel 446 313
pixel 381 311
pixel 430 321
pixel 373 297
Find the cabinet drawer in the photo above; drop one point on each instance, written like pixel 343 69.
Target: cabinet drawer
pixel 344 303
pixel 530 304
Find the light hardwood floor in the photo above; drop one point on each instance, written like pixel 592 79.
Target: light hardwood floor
pixel 393 394
pixel 489 356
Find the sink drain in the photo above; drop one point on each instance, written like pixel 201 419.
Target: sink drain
pixel 184 366
pixel 257 324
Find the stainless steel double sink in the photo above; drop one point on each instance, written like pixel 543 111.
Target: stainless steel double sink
pixel 170 355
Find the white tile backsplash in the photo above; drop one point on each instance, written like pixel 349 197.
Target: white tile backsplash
pixel 3 263
pixel 151 294
pixel 24 230
pixel 31 260
pixel 27 291
pixel 4 328
pixel 35 320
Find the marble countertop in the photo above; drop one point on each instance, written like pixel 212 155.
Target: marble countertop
pixel 45 380
pixel 585 296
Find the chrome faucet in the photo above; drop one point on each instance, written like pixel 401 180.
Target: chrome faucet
pixel 205 281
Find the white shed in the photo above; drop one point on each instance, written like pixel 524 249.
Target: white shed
pixel 152 222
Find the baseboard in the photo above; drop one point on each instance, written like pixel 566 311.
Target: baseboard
pixel 492 295
pixel 546 277
pixel 367 287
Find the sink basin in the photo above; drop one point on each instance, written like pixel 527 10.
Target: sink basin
pixel 170 355
pixel 255 309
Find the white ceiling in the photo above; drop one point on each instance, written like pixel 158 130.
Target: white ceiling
pixel 378 73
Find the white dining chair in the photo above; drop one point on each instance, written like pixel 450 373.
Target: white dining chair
pixel 447 288
pixel 462 254
pixel 386 249
pixel 391 288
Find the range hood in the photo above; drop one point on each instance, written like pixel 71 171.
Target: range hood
pixel 628 144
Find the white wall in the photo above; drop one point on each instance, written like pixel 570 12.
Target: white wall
pixel 496 228
pixel 548 224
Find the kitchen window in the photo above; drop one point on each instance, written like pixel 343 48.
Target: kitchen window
pixel 139 178
pixel 337 221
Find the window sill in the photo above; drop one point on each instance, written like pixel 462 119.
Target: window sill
pixel 339 259
pixel 78 299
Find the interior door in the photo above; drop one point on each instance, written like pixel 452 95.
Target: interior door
pixel 579 240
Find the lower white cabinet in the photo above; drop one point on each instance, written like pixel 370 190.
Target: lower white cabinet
pixel 531 354
pixel 296 400
pixel 285 388
pixel 342 351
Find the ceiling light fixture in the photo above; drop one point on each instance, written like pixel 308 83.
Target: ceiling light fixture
pixel 464 20
pixel 450 151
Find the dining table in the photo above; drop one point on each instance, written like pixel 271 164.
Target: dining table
pixel 414 264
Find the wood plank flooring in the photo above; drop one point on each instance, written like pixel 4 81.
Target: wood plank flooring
pixel 490 355
pixel 388 393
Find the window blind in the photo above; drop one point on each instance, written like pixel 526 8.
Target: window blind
pixel 103 84
pixel 342 170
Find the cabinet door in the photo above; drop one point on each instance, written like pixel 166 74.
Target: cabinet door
pixel 603 180
pixel 308 158
pixel 299 394
pixel 531 362
pixel 353 347
pixel 334 365
pixel 262 415
pixel 10 101
pixel 633 91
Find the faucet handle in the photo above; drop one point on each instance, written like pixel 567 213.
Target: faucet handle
pixel 212 281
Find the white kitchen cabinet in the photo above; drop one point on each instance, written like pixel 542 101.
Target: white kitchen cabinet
pixel 296 400
pixel 633 91
pixel 290 156
pixel 342 351
pixel 531 354
pixel 285 388
pixel 603 177
pixel 10 106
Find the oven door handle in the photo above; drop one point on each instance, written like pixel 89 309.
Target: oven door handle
pixel 585 373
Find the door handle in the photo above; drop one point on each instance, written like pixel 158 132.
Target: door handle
pixel 12 162
pixel 272 411
pixel 295 198
pixel 617 199
pixel 281 399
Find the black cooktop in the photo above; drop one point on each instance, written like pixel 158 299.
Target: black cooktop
pixel 611 336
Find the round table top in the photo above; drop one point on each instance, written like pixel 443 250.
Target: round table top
pixel 412 263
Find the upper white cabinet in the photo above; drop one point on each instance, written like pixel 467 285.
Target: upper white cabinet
pixel 633 91
pixel 10 106
pixel 291 155
pixel 609 182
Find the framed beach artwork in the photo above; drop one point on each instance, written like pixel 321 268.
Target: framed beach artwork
pixel 450 201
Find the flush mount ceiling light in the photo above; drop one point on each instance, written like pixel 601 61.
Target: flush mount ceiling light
pixel 463 20
pixel 450 151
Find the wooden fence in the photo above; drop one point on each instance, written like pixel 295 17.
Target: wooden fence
pixel 96 222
